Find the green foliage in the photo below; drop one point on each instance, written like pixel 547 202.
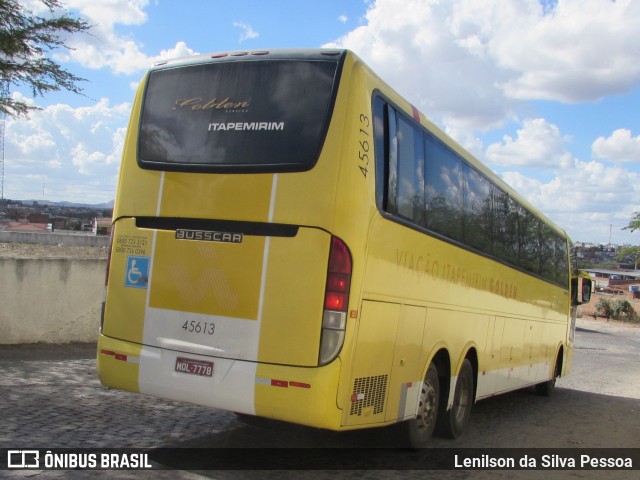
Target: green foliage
pixel 623 310
pixel 603 308
pixel 618 310
pixel 634 224
pixel 629 251
pixel 26 40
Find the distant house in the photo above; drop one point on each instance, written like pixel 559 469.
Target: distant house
pixel 613 278
pixel 102 226
pixel 26 227
pixel 38 218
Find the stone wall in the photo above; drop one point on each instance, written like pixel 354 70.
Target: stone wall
pixel 57 300
pixel 52 238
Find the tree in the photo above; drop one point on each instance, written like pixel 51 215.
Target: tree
pixel 25 42
pixel 634 224
pixel 633 252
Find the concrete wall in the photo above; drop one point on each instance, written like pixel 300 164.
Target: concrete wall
pixel 50 300
pixel 52 238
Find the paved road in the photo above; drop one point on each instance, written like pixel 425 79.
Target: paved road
pixel 50 398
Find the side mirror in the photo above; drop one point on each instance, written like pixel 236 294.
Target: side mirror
pixel 581 288
pixel 586 291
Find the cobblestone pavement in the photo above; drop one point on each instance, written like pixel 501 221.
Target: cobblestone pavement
pixel 50 397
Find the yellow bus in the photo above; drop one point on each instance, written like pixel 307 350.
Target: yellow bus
pixel 294 240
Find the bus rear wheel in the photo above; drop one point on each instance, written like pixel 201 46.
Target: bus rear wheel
pixel 546 388
pixel 451 423
pixel 417 432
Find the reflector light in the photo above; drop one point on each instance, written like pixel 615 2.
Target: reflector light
pixel 299 384
pixel 279 383
pixel 416 113
pixel 117 356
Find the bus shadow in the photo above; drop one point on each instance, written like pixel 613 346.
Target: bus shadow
pixel 587 330
pixel 521 420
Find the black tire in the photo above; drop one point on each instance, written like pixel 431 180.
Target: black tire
pixel 451 423
pixel 416 433
pixel 546 389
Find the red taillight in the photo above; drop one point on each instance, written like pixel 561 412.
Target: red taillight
pixel 336 301
pixel 338 282
pixel 338 277
pixel 339 257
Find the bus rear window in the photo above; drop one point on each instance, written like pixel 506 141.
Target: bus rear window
pixel 264 116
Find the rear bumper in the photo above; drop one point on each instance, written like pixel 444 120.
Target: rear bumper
pixel 300 395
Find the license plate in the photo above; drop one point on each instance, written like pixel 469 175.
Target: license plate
pixel 194 367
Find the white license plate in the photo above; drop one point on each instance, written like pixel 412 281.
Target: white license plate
pixel 194 367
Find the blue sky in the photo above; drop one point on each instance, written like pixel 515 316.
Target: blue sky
pixel 546 93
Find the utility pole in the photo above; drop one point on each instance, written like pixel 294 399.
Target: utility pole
pixel 610 227
pixel 4 94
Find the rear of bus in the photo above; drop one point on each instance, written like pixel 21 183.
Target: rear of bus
pixel 226 283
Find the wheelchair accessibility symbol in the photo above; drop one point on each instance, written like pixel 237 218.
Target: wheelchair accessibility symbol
pixel 137 275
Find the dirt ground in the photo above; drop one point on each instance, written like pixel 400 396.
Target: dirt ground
pixel 588 310
pixel 31 250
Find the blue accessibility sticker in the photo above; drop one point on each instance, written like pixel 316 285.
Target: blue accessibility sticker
pixel 137 275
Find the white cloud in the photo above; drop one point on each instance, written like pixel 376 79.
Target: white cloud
pixel 621 146
pixel 413 46
pixel 538 144
pixel 585 200
pixel 248 32
pixel 581 50
pixel 110 12
pixel 470 62
pixel 104 47
pixel 343 19
pixel 471 66
pixel 180 50
pixel 583 197
pixel 75 152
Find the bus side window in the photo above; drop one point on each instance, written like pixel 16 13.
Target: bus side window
pixel 392 185
pixel 443 190
pixel 410 172
pixel 425 182
pixel 380 131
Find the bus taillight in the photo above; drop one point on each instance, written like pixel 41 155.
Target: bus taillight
pixel 336 301
pixel 338 277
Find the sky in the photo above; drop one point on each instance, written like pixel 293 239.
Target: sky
pixel 544 92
